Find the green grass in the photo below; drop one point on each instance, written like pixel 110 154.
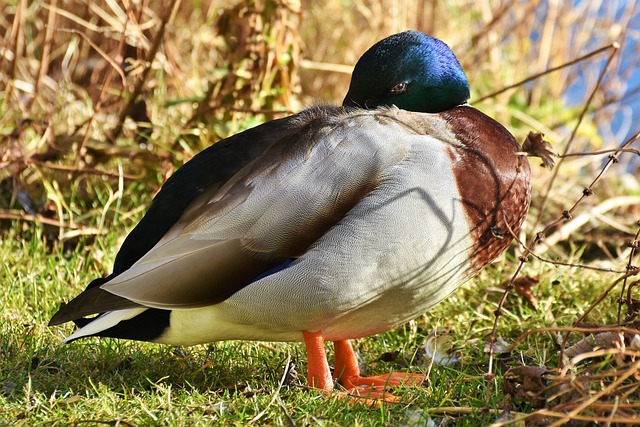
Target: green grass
pixel 46 383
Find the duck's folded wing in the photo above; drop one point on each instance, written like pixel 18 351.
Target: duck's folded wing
pixel 207 171
pixel 266 215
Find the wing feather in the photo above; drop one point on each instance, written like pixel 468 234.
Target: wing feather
pixel 268 213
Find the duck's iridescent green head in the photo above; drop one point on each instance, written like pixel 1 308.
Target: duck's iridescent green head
pixel 410 70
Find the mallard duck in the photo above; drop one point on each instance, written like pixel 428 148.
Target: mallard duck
pixel 329 225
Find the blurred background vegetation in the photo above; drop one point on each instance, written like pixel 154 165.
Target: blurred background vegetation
pixel 97 96
pixel 100 101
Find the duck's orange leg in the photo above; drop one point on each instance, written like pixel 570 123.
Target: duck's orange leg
pixel 347 372
pixel 319 373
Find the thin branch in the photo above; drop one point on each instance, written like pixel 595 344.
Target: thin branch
pixel 598 152
pixel 630 269
pixel 107 57
pixel 36 218
pixel 533 77
pixel 17 44
pixel 46 51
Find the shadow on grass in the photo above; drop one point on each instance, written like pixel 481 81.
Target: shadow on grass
pixel 123 366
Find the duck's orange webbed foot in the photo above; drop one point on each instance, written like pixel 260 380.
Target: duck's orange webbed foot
pixel 374 388
pixel 368 390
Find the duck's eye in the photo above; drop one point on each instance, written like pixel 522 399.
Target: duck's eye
pixel 399 88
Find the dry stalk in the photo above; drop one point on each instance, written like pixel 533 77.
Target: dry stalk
pixel 142 79
pixel 103 91
pixel 46 51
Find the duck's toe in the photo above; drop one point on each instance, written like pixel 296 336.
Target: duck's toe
pixel 392 379
pixel 376 388
pixel 370 388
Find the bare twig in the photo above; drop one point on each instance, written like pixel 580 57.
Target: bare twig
pixel 574 329
pixel 599 152
pixel 631 269
pixel 114 65
pixel 4 214
pixel 17 45
pixel 533 77
pixel 595 396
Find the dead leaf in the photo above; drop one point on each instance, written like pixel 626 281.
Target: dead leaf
pixel 523 286
pixel 438 347
pixel 500 346
pixel 535 146
pixel 591 342
pixel 635 342
pixel 526 383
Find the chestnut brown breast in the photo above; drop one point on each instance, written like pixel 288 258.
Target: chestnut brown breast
pixel 494 181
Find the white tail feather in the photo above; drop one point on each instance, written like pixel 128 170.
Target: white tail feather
pixel 105 321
